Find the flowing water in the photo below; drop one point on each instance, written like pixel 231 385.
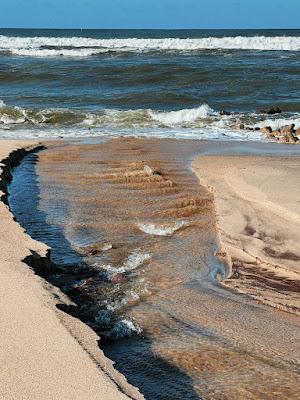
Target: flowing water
pixel 133 238
pixel 166 83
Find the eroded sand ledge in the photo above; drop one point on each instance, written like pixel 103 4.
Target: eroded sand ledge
pixel 258 218
pixel 44 353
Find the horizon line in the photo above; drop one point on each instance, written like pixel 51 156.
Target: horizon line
pixel 153 29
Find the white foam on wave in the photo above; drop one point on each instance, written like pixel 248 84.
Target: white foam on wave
pixel 85 47
pixel 162 230
pixel 174 118
pixel 279 122
pixel 200 123
pixel 56 52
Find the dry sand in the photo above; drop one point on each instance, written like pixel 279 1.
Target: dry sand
pixel 258 212
pixel 44 353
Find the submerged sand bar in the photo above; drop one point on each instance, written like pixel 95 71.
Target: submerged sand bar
pixel 40 357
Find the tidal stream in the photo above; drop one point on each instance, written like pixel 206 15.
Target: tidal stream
pixel 133 238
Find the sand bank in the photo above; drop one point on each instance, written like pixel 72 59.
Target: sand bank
pixel 44 353
pixel 258 217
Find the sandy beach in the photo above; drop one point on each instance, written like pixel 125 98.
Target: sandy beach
pixel 200 333
pixel 258 216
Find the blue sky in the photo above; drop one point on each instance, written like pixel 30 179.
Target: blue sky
pixel 150 13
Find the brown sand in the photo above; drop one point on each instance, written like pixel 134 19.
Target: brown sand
pixel 258 208
pixel 40 354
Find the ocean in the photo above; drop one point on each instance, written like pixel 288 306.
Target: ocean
pixel 154 83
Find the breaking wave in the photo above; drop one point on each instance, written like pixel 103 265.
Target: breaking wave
pixel 198 123
pixel 86 47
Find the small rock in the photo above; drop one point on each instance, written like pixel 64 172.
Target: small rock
pixel 275 134
pixel 267 130
pixel 271 135
pixel 224 112
pixel 287 129
pixel 241 126
pixel 288 137
pixel 272 110
pixel 96 249
pixel 257 128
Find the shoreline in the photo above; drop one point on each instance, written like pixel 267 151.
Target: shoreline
pixel 84 336
pixel 46 351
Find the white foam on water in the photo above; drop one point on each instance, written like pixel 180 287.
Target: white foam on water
pixel 279 122
pixel 57 52
pixel 134 260
pixel 200 123
pixel 180 117
pixel 124 328
pixel 162 230
pixel 86 47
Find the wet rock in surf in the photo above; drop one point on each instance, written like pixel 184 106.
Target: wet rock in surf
pixel 287 129
pixel 272 110
pixel 287 134
pixel 267 130
pixel 276 133
pixel 288 137
pixel 224 112
pixel 96 249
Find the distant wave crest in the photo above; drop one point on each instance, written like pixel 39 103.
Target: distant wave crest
pixel 86 47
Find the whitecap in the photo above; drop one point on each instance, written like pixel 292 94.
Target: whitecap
pixel 180 117
pixel 86 47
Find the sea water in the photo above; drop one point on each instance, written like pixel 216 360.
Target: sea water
pixel 159 83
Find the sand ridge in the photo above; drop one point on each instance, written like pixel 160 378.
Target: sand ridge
pixel 257 201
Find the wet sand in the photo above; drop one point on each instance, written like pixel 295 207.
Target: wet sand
pixel 199 339
pixel 40 354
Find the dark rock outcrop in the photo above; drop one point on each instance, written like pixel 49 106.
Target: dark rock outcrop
pixel 224 112
pixel 272 110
